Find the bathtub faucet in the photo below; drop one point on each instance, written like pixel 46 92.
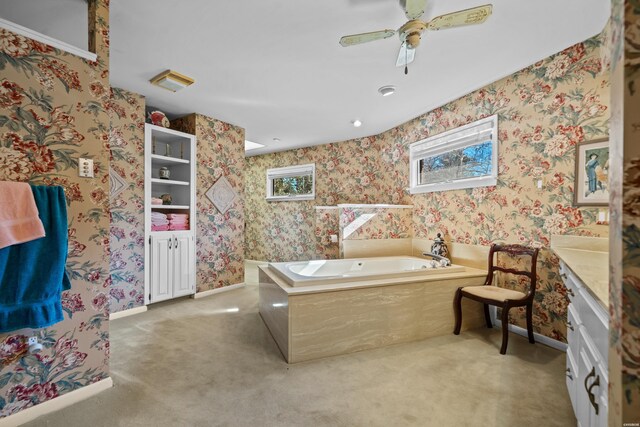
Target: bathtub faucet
pixel 443 260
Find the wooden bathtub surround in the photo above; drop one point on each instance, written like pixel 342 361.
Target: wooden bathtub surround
pixel 320 321
pixel 501 297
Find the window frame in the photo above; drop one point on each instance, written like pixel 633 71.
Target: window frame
pixel 454 139
pixel 289 171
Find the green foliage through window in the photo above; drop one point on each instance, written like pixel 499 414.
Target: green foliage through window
pixel 292 185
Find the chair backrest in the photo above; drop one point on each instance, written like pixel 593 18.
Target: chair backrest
pixel 514 250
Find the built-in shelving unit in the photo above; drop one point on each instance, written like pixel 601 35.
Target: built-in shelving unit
pixel 169 254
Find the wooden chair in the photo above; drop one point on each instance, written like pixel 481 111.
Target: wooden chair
pixel 501 297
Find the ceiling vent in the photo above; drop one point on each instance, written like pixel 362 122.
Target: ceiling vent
pixel 172 81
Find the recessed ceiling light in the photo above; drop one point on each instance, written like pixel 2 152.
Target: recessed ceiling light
pixel 250 145
pixel 356 123
pixel 387 90
pixel 172 81
pixel 276 139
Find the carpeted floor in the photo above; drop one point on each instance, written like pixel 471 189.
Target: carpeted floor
pixel 212 362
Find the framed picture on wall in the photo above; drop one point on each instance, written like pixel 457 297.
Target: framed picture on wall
pixel 591 187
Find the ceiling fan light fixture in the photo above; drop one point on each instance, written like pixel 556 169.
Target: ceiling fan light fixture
pixel 356 123
pixel 172 80
pixel 387 90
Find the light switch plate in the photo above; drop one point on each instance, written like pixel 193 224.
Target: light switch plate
pixel 85 167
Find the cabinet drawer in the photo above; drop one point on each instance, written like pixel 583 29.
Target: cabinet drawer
pixel 573 326
pixel 596 321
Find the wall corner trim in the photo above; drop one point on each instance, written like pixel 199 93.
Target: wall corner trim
pixel 56 404
pixel 216 291
pixel 126 313
pixel 43 38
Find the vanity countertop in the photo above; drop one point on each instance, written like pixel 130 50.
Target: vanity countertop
pixel 588 259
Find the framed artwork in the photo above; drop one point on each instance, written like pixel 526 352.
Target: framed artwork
pixel 591 186
pixel 221 194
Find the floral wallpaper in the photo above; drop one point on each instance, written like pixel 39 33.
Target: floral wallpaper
pixel 624 334
pixel 220 237
pixel 327 225
pixel 544 111
pixel 126 234
pixel 53 109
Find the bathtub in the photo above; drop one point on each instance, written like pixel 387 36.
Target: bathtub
pixel 317 309
pixel 324 272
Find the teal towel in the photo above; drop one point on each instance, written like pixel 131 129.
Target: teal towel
pixel 32 274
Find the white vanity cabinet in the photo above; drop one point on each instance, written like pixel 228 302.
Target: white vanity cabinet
pixel 587 353
pixel 172 269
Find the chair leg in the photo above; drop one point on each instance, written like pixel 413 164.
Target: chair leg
pixel 487 316
pixel 505 329
pixel 530 323
pixel 457 310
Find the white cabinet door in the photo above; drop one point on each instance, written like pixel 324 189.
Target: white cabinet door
pixel 161 268
pixel 183 274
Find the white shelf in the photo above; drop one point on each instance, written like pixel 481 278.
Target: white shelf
pixel 157 159
pixel 168 181
pixel 169 207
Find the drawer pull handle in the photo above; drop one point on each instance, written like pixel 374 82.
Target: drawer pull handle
pixel 570 292
pixel 175 242
pixel 570 326
pixel 170 243
pixel 564 276
pixel 592 397
pixel 568 374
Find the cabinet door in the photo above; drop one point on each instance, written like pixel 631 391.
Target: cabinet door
pixel 183 256
pixel 571 378
pixel 161 268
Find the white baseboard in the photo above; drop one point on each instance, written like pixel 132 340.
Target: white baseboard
pixel 56 404
pixel 217 290
pixel 542 339
pixel 129 312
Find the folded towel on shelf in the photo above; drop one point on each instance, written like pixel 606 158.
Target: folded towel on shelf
pixel 32 274
pixel 174 221
pixel 159 227
pixel 19 221
pixel 178 227
pixel 177 216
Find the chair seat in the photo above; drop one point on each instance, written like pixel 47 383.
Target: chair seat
pixel 494 293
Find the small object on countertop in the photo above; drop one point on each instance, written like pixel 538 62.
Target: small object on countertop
pixel 19 221
pixel 164 172
pixel 156 201
pixel 166 199
pixel 439 247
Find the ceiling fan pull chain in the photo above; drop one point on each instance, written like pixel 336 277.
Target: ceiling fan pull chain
pixel 406 66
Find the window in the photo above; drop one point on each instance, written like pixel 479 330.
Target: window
pixel 465 157
pixel 292 183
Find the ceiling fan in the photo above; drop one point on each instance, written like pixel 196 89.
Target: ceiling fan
pixel 411 32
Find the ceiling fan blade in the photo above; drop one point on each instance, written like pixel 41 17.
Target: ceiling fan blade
pixel 405 55
pixel 475 15
pixel 366 37
pixel 413 9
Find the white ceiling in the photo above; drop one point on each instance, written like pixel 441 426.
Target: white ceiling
pixel 276 69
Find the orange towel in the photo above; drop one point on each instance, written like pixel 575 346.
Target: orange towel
pixel 19 220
